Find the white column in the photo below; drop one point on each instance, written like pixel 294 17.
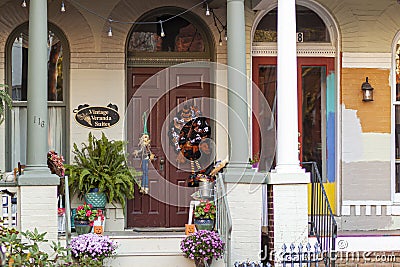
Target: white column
pixel 289 181
pixel 287 157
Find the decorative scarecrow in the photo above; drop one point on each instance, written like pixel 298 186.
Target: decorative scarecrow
pixel 145 154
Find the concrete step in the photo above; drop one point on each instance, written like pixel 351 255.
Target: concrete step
pixel 151 249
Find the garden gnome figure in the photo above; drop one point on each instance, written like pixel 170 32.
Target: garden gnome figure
pixel 145 154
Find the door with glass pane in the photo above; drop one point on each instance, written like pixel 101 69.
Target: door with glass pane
pixel 316 99
pixel 58 59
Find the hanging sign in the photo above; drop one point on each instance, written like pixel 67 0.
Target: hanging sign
pixel 96 117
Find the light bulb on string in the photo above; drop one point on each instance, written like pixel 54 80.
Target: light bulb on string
pixel 162 34
pixel 110 33
pixel 62 6
pixel 220 40
pixel 23 3
pixel 207 10
pixel 226 35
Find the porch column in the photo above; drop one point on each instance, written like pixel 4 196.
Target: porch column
pixel 288 181
pixel 38 195
pixel 244 191
pixel 237 83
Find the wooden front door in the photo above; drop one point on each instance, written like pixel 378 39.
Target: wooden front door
pixel 166 205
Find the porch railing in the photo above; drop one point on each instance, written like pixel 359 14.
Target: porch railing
pixel 224 220
pixel 322 223
pixel 9 205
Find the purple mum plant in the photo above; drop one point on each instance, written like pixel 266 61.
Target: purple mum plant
pixel 203 244
pixel 91 248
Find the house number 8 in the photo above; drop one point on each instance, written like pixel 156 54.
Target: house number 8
pixel 39 121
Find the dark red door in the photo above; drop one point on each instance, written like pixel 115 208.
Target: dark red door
pixel 168 198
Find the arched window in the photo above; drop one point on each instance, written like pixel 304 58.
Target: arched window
pixel 308 23
pixel 178 37
pixel 17 74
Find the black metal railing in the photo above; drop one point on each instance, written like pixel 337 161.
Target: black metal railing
pixel 322 223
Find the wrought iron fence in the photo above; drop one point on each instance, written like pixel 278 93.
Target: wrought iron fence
pixel 292 256
pixel 224 220
pixel 322 223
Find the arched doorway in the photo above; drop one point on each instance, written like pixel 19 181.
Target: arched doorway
pixel 149 57
pixel 316 79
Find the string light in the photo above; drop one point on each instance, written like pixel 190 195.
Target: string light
pixel 220 28
pixel 23 4
pixel 110 33
pixel 162 34
pixel 207 10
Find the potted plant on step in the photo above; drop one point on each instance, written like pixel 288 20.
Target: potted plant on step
pixel 100 173
pixel 204 215
pixel 85 217
pixel 92 249
pixel 202 247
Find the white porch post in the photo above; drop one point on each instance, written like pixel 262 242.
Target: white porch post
pixel 244 192
pixel 288 180
pixel 38 195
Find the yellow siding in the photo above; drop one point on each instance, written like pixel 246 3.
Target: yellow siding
pixel 374 116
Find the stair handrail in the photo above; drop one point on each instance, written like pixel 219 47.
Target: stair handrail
pixel 322 220
pixel 224 219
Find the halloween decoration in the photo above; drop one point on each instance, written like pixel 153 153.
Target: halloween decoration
pixel 189 134
pixel 145 154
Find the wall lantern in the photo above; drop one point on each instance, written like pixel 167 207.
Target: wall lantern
pixel 367 89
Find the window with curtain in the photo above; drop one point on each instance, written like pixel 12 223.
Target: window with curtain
pixel 56 58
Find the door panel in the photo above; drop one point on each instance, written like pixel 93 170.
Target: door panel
pixel 146 210
pixel 189 85
pixel 312 98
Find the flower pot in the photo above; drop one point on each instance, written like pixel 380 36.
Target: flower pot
pixel 206 190
pixel 98 200
pixel 82 227
pixel 200 262
pixel 204 224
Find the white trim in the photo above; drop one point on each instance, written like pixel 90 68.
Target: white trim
pixel 395 210
pixel 358 210
pixel 366 60
pixel 368 210
pixel 395 196
pixel 303 50
pixel 378 210
pixel 388 210
pixel 366 202
pixel 346 210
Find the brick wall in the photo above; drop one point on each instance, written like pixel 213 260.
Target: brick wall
pixel 245 204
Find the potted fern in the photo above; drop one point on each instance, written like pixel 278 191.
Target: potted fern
pixel 99 168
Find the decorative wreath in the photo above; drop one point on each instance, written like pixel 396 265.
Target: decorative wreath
pixel 187 131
